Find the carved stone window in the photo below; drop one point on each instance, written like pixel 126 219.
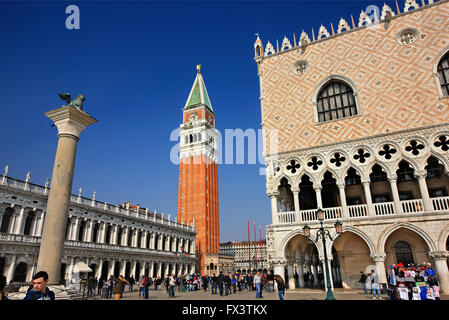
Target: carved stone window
pixel 387 151
pixel 442 143
pixel 314 163
pixel 300 67
pixel 407 36
pixel 293 166
pixel 337 159
pixel 414 147
pixel 361 155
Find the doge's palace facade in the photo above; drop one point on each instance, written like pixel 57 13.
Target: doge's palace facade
pixel 355 122
pixel 110 239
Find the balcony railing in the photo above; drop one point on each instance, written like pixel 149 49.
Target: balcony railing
pixel 361 210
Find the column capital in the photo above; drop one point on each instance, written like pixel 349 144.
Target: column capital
pixel 366 182
pixel 295 189
pixel 392 178
pixel 317 187
pixel 273 193
pixel 341 185
pixel 279 262
pixel 438 255
pixel 70 120
pixel 419 174
pixel 378 257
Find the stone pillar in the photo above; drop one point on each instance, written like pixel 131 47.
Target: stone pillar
pixel 151 268
pixel 114 235
pixel 291 278
pixel 296 202
pixel 10 272
pixel 395 194
pixel 278 268
pixel 369 200
pixel 12 222
pixel 123 267
pixel 90 231
pixel 314 271
pixel 274 206
pixel 441 269
pixel 142 269
pixel 75 228
pixel 70 271
pixel 344 206
pixel 125 237
pixel 379 259
pixel 159 269
pixel 19 222
pixel 133 269
pixel 99 269
pixel 152 241
pixel 111 268
pixel 319 200
pixel 40 225
pixel 427 202
pixel 103 227
pixel 70 123
pixel 167 243
pixel 299 263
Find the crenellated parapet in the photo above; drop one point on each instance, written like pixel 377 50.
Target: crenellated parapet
pixel 364 21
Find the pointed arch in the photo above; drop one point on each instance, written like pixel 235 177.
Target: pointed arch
pixel 356 231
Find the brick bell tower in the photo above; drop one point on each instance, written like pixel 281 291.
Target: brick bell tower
pixel 198 183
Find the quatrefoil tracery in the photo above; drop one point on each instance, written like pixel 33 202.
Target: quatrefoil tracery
pixel 414 146
pixel 387 151
pixel 337 159
pixel 362 155
pixel 314 163
pixel 442 143
pixel 293 166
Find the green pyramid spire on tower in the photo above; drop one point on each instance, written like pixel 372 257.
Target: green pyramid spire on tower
pixel 198 94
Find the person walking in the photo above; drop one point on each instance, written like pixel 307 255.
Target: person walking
pixel 131 283
pixel 234 283
pixel 100 285
pixel 146 286
pixel 110 286
pixel 374 280
pixel 214 280
pixel 281 286
pixel 119 287
pixel 40 290
pixel 220 282
pixel 171 288
pixel 258 284
pixel 362 280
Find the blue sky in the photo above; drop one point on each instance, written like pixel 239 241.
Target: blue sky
pixel 135 62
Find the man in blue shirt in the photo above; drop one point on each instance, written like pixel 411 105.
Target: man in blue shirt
pixel 40 290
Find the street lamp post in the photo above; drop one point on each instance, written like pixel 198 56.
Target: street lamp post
pixel 323 233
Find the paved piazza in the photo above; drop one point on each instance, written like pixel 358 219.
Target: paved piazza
pixel 298 294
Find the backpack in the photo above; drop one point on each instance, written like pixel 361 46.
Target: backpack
pixel 144 280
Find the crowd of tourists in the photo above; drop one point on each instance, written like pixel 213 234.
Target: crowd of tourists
pixel 411 282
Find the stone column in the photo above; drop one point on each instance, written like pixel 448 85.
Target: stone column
pixel 114 235
pixel 111 268
pixel 70 271
pixel 133 269
pixel 152 240
pixel 90 231
pixel 10 272
pixel 40 225
pixel 123 267
pixel 151 268
pixel 427 202
pixel 274 206
pixel 319 200
pixel 314 271
pixel 441 269
pixel 159 269
pixel 19 221
pixel 369 200
pixel 299 263
pixel 278 268
pixel 296 202
pixel 291 278
pixel 142 269
pixel 344 206
pixel 75 230
pixel 103 227
pixel 167 243
pixel 395 194
pixel 99 269
pixel 12 222
pixel 379 259
pixel 143 242
pixel 70 122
